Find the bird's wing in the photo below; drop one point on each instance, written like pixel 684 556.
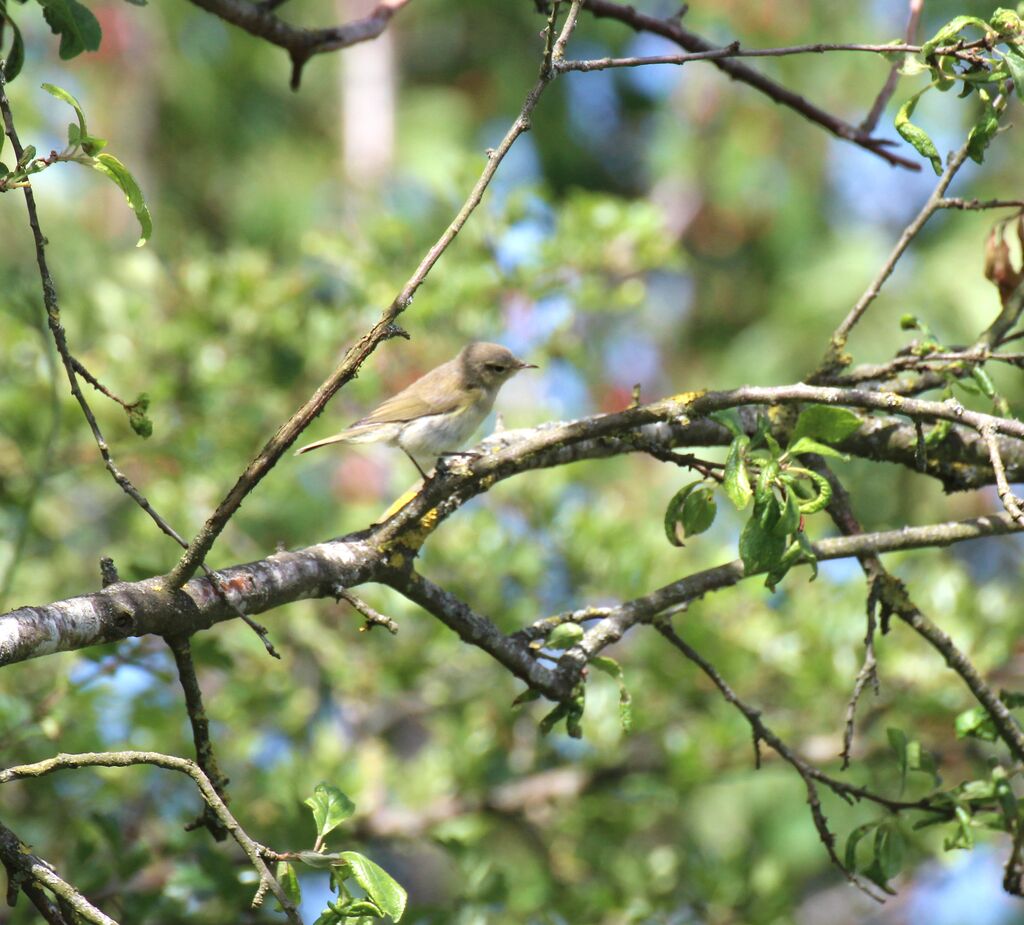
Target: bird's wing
pixel 417 400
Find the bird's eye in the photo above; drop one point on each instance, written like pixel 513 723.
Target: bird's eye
pixel 496 367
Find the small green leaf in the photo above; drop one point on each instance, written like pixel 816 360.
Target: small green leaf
pixel 1006 22
pixel 289 881
pixel 984 381
pixel 548 722
pixel 608 665
pixel 736 481
pixel 527 696
pixel 15 57
pixel 889 850
pixel 826 423
pixel 77 27
pixel 810 445
pixel 983 131
pixel 113 168
pixel 976 724
pixel 729 418
pixel 915 135
pixel 62 94
pixel 612 668
pixel 1015 65
pixel 92 145
pixel 854 839
pixel 380 886
pixel 330 808
pixel 760 548
pixel 949 32
pixel 699 510
pixel 789 516
pixel 318 860
pixel 564 636
pixel 824 490
pixel 27 154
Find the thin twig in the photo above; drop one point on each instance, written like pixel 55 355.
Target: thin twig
pixel 979 204
pixel 810 775
pixel 181 648
pixel 252 849
pixel 373 617
pixel 889 87
pixel 1010 501
pixel 674 32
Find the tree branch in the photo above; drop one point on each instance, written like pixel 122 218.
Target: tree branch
pixel 126 759
pixel 301 44
pixel 673 31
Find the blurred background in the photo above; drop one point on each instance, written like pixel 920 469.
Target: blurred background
pixel 665 227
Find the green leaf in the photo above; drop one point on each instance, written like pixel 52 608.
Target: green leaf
pixel 319 860
pixel 1015 65
pixel 137 418
pixel 92 145
pixel 976 724
pixel 810 445
pixel 983 131
pixel 889 845
pixel 729 418
pixel 608 665
pixel 289 881
pixel 949 32
pixel 1006 22
pixel 854 839
pixel 824 490
pixel 825 423
pixel 330 808
pixel 736 482
pixel 691 511
pixel 564 636
pixel 78 29
pixel 379 885
pixel 789 516
pixel 915 135
pixel 113 168
pixel 16 56
pixel 760 548
pixel 984 381
pixel 612 668
pixel 548 722
pixel 62 94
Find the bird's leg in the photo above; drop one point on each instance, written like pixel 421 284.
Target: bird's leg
pixel 412 459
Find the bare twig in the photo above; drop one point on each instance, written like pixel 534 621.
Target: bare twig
pixel 181 648
pixel 839 337
pixel 1010 501
pixel 980 204
pixel 373 617
pixel 252 849
pixel 889 87
pixel 810 775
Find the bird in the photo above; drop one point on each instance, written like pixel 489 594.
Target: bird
pixel 440 411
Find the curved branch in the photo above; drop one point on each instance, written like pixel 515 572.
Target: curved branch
pixel 301 44
pixel 126 759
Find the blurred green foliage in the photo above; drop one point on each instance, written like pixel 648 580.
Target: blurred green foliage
pixel 673 229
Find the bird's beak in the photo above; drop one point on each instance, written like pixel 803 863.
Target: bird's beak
pixel 527 366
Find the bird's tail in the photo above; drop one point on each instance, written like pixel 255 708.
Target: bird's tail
pixel 360 433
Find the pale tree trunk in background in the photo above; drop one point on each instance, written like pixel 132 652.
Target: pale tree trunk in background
pixel 367 95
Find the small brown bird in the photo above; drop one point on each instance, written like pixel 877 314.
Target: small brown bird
pixel 438 412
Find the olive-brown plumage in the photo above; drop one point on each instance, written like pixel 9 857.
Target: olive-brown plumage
pixel 438 412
